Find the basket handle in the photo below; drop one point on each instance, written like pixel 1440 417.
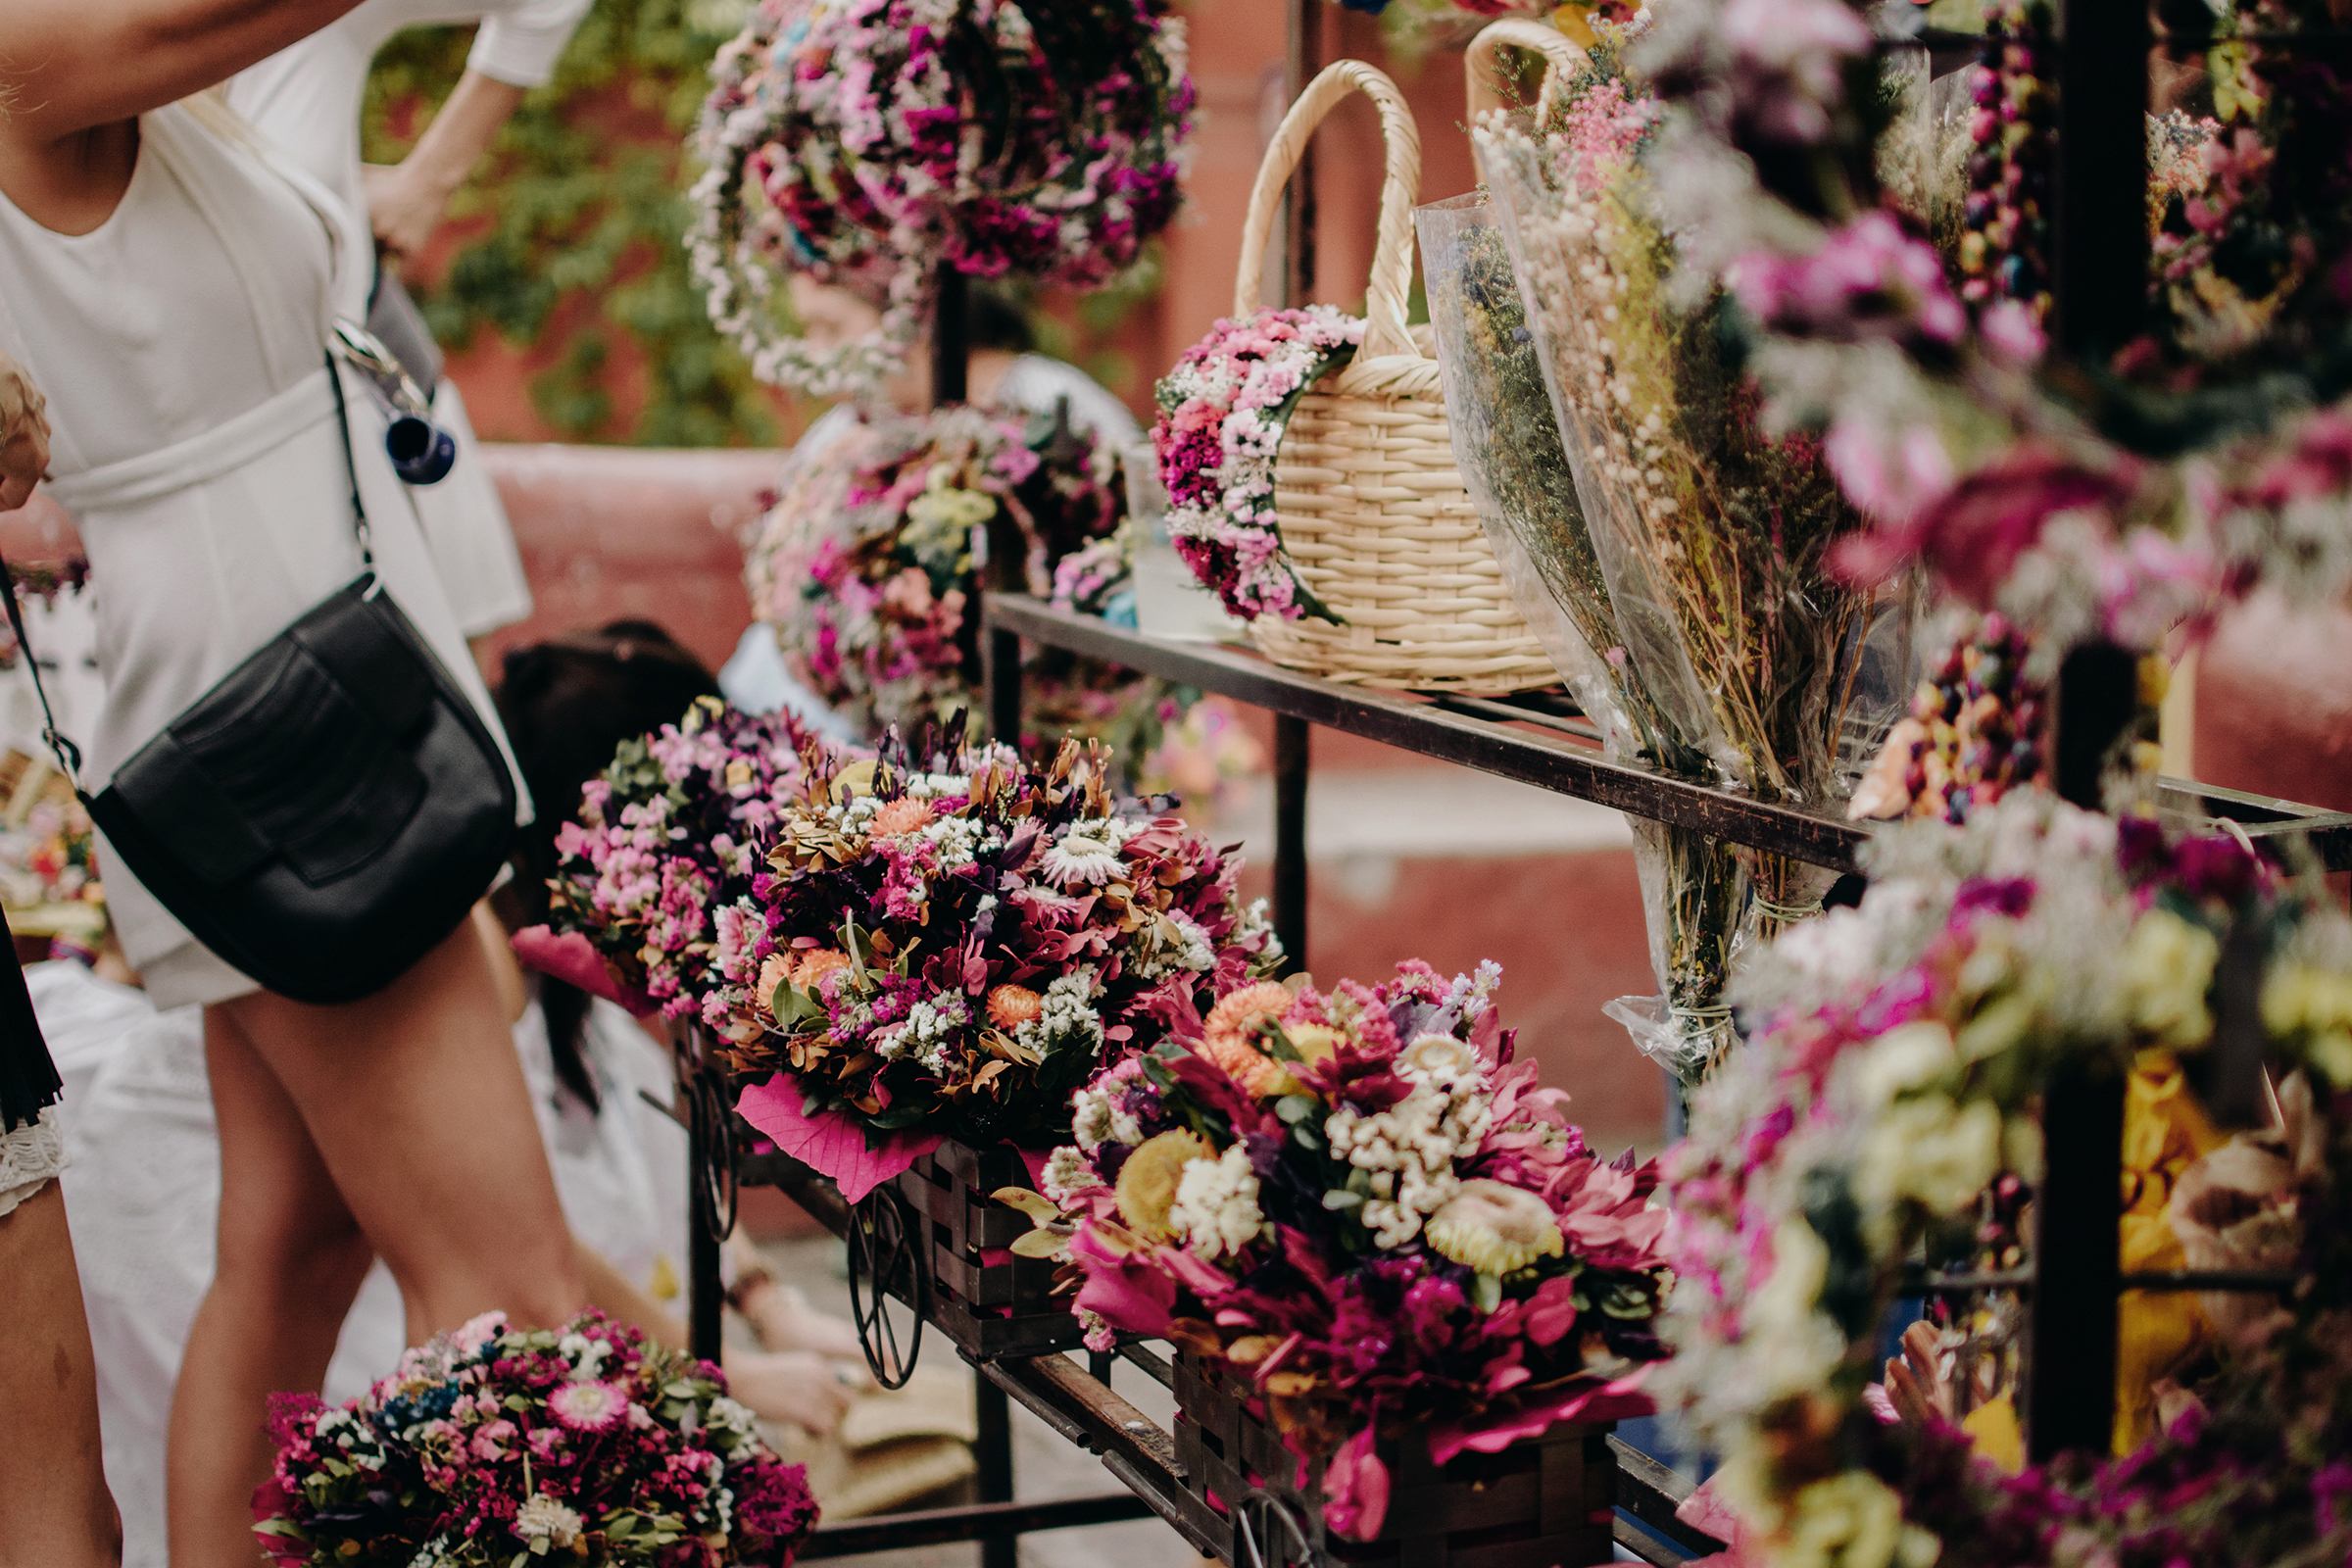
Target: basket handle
pixel 1561 57
pixel 1393 249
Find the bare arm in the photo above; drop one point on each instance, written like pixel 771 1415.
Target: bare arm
pixel 67 66
pixel 405 201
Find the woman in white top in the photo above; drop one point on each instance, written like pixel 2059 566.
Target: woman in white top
pixel 172 289
pixel 306 99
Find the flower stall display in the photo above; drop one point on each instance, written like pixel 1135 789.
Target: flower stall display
pixel 870 142
pixel 495 1446
pixel 672 832
pixel 1360 1208
pixel 1742 657
pixel 1885 1112
pixel 868 565
pixel 2114 502
pixel 1223 411
pixel 951 941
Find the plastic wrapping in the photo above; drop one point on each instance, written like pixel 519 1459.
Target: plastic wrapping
pixel 1755 668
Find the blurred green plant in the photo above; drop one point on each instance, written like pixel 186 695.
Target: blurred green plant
pixel 584 211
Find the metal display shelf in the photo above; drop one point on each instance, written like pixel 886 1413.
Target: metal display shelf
pixel 1075 1400
pixel 1539 739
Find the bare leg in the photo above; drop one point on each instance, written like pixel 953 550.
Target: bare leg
pixel 796 1386
pixel 399 1125
pixel 55 1511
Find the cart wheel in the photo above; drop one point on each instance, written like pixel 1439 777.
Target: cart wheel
pixel 1267 1525
pixel 712 1110
pixel 887 1258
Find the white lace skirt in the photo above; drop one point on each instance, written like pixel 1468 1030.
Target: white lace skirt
pixel 31 1157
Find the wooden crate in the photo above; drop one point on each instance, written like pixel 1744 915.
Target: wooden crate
pixel 988 1308
pixel 1541 1504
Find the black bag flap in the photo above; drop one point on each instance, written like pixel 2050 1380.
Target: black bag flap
pixel 181 805
pixel 366 645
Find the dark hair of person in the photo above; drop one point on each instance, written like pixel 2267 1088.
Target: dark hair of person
pixel 567 703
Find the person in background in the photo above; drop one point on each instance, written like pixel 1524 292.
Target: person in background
pixel 306 99
pixel 173 286
pixel 1004 370
pixel 55 1510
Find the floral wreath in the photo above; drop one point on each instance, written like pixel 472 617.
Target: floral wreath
pixel 865 142
pixel 2115 501
pixel 1884 1109
pixel 1223 411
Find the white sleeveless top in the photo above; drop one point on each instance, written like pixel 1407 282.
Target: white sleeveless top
pixel 181 345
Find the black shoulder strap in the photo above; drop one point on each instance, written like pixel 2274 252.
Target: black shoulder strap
pixel 69 754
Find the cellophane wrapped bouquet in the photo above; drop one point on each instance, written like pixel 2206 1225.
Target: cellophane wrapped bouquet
pixel 950 941
pixel 496 1446
pixel 868 564
pixel 1746 661
pixel 1361 1207
pixel 674 831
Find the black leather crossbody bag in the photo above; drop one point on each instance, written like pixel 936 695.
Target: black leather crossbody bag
pixel 325 814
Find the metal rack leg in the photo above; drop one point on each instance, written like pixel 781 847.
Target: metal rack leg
pixel 2070 1394
pixel 705 1289
pixel 1291 751
pixel 992 1413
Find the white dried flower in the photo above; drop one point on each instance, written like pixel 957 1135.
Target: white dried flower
pixel 1217 1203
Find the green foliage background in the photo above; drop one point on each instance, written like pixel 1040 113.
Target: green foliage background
pixel 585 199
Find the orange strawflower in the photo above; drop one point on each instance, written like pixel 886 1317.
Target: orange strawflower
pixel 815 964
pixel 1234 1019
pixel 1230 1038
pixel 902 815
pixel 1010 1007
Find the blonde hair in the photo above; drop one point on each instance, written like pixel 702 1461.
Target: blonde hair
pixel 211 110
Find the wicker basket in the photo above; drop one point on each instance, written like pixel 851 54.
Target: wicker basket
pixel 1373 514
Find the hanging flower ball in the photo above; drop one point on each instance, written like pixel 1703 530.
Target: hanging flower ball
pixel 867 142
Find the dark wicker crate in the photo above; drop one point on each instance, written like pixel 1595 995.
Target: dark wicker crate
pixel 989 1309
pixel 1541 1504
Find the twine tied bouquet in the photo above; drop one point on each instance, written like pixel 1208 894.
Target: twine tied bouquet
pixel 496 1446
pixel 1359 1206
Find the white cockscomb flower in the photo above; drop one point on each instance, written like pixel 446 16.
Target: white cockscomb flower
pixel 1065 1017
pixel 928 1029
pixel 1216 1205
pixel 958 838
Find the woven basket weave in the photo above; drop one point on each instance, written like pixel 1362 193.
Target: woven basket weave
pixel 1373 514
